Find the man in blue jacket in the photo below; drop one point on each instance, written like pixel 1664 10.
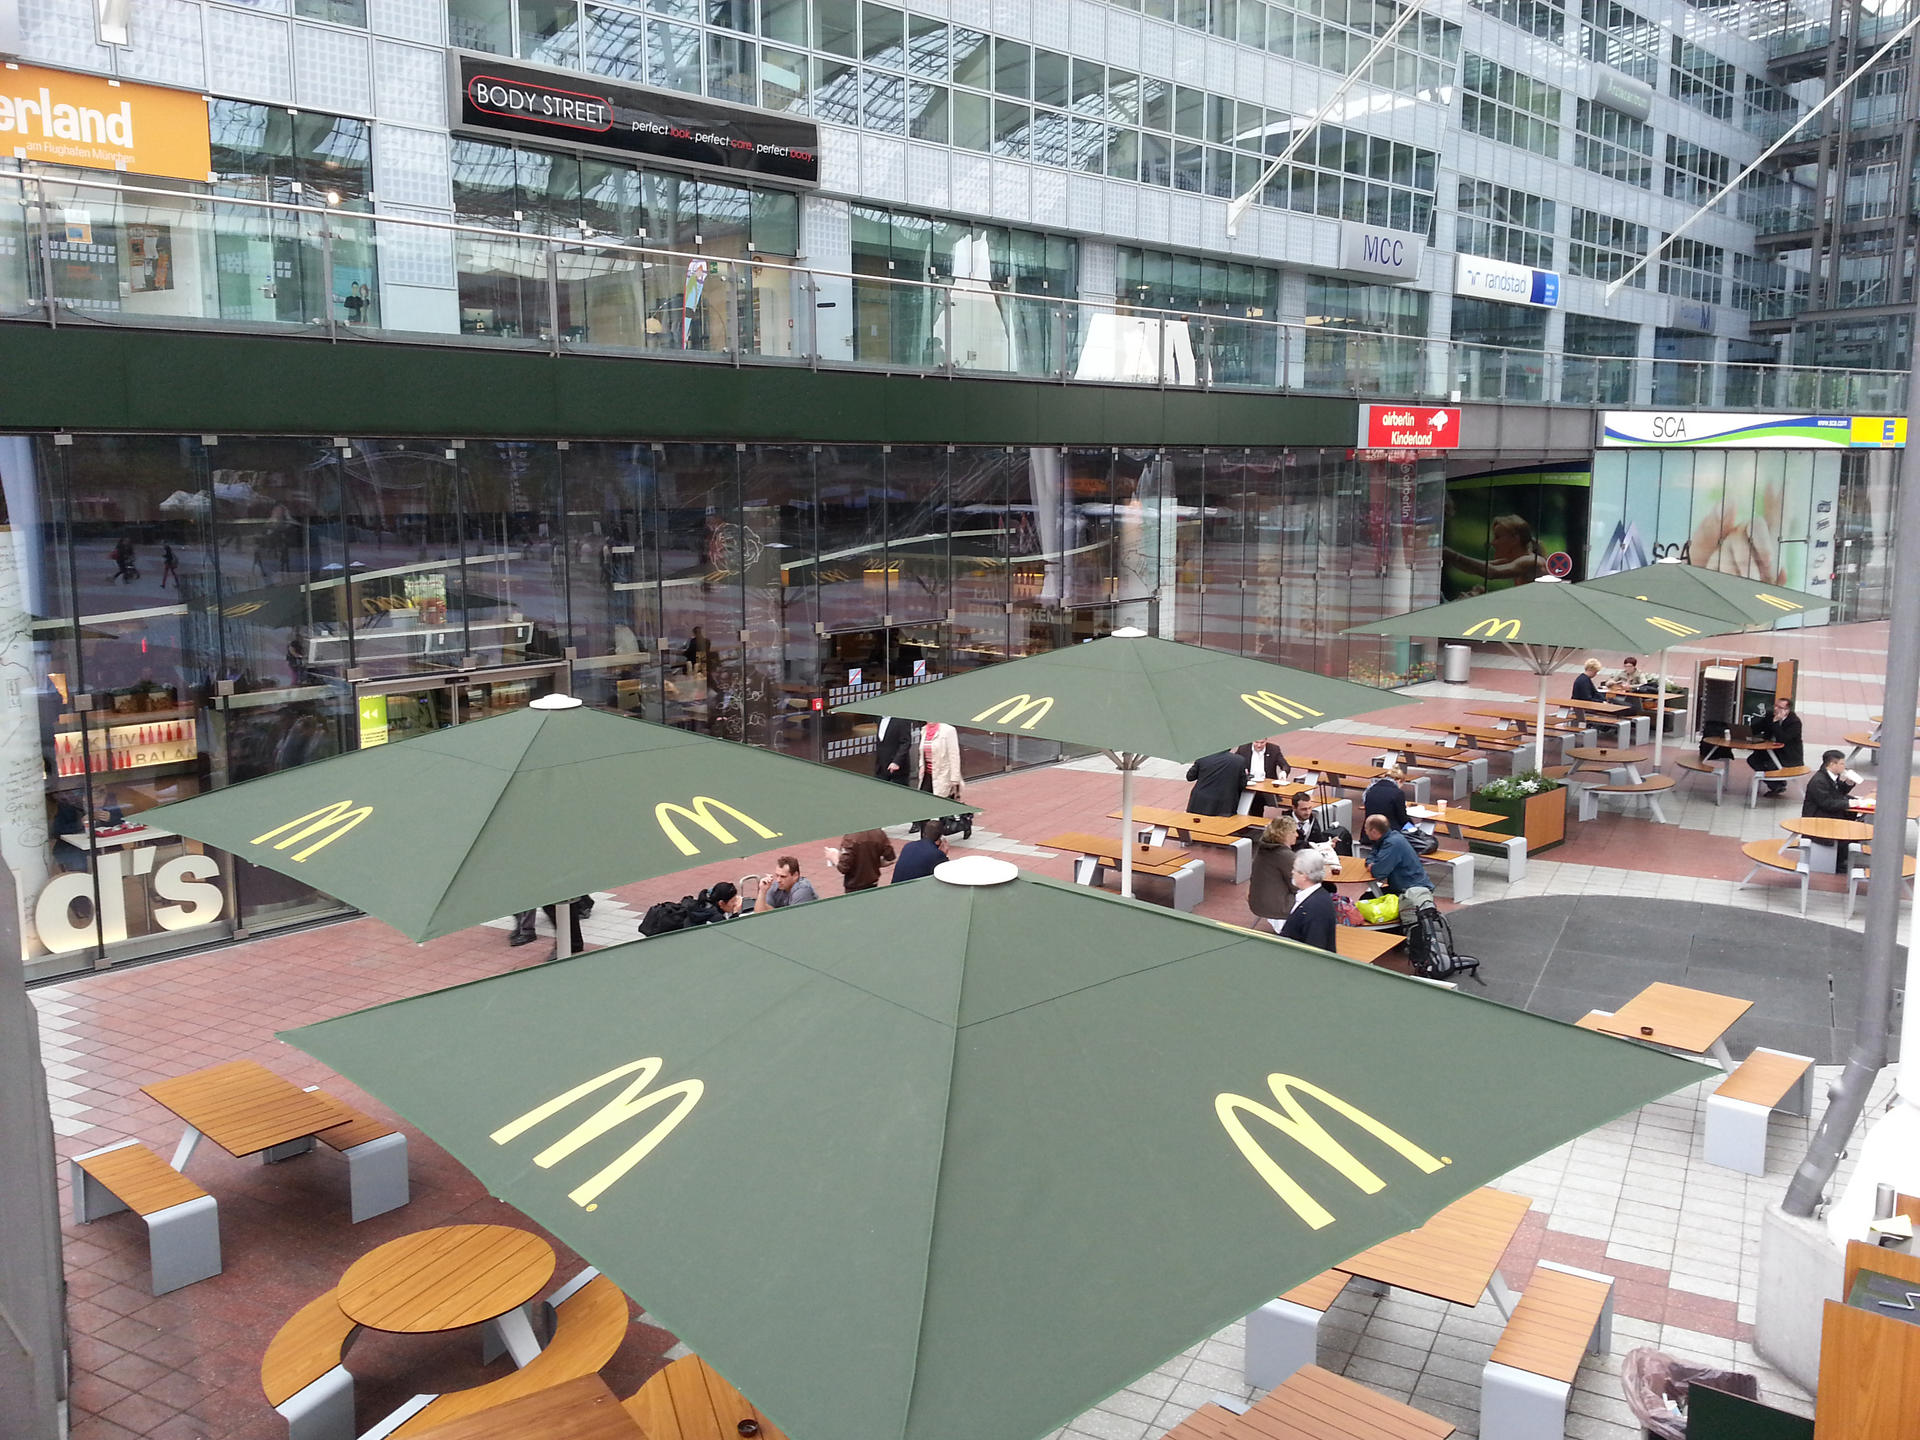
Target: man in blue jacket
pixel 1395 865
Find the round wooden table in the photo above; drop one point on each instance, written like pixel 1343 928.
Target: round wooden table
pixel 1603 755
pixel 1821 827
pixel 445 1279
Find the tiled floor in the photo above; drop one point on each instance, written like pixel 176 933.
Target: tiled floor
pixel 1632 1199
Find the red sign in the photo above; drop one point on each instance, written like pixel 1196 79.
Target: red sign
pixel 1409 427
pixel 1559 564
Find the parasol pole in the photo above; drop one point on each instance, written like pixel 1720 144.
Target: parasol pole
pixel 1540 722
pixel 1126 762
pixel 562 909
pixel 1660 713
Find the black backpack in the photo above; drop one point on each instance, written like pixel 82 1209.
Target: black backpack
pixel 1430 946
pixel 667 916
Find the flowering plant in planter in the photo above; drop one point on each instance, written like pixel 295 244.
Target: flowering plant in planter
pixel 1517 787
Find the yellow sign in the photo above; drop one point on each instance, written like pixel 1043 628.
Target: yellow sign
pixel 1013 707
pixel 1877 431
pixel 1778 602
pixel 102 124
pixel 373 721
pixel 625 1106
pixel 1277 708
pixel 337 818
pixel 1491 628
pixel 701 814
pixel 1293 1121
pixel 1672 627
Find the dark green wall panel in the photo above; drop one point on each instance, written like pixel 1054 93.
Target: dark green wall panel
pixel 83 378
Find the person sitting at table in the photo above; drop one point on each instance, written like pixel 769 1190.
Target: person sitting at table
pixel 1584 687
pixel 1312 827
pixel 1783 727
pixel 920 857
pixel 1270 882
pixel 1265 761
pixel 1385 797
pixel 1826 797
pixel 1628 677
pixel 1218 781
pixel 1315 917
pixel 1395 865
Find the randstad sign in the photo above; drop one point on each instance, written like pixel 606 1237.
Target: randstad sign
pixel 101 124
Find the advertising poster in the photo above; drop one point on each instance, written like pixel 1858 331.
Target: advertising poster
pixel 149 258
pixel 1506 528
pixel 373 721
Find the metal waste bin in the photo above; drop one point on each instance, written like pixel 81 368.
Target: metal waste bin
pixel 1456 664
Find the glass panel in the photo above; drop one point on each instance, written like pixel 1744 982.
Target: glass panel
pixel 730 67
pixel 784 20
pixel 673 56
pixel 783 80
pixel 695 531
pixel 512 577
pixel 1049 78
pixel 1012 63
pixel 883 36
pixel 834 23
pixel 614 575
pixel 927 47
pixel 480 25
pixel 550 32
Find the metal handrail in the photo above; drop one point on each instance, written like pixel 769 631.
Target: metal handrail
pixel 1438 367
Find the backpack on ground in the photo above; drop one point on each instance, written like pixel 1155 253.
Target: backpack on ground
pixel 1422 841
pixel 1430 949
pixel 667 916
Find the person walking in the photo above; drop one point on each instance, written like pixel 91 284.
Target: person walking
pixel 892 747
pixel 936 767
pixel 785 886
pixel 860 857
pixel 123 567
pixel 169 567
pixel 1270 884
pixel 523 923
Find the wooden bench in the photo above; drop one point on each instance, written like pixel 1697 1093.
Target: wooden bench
pixel 1185 874
pixel 1649 790
pixel 183 1221
pixel 690 1400
pixel 1761 777
pixel 1365 944
pixel 1283 1335
pixel 589 1327
pixel 1563 1315
pixel 1459 865
pixel 1858 875
pixel 303 1374
pixel 376 1160
pixel 1715 768
pixel 1787 855
pixel 1231 833
pixel 1511 848
pixel 1737 1113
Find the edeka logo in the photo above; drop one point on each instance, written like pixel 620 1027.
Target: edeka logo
pixel 629 1103
pixel 1008 711
pixel 333 821
pixel 1492 627
pixel 1277 708
pixel 701 814
pixel 1778 602
pixel 1672 627
pixel 1293 1121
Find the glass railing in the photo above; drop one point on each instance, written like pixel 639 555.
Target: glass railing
pixel 1798 39
pixel 78 252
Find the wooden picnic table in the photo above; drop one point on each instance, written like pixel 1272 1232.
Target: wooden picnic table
pixel 1485 734
pixel 1827 829
pixel 583 1409
pixel 1525 719
pixel 1455 1256
pixel 1601 708
pixel 1210 829
pixel 1339 769
pixel 690 1400
pixel 1431 751
pixel 449 1278
pixel 1106 850
pixel 1354 943
pixel 244 1108
pixel 1314 1404
pixel 1455 819
pixel 1693 1021
pixel 1609 757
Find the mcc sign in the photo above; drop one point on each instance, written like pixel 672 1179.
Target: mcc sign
pixel 1409 427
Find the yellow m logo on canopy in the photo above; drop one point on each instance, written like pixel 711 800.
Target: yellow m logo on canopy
pixel 1672 627
pixel 1492 627
pixel 1277 708
pixel 1293 1121
pixel 1007 711
pixel 629 1103
pixel 1778 602
pixel 701 814
pixel 337 818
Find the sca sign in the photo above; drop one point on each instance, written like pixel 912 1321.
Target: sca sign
pixel 1672 428
pixel 1409 427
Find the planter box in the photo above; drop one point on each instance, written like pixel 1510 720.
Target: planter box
pixel 1541 818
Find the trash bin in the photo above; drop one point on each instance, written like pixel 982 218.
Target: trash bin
pixel 1656 1389
pixel 1456 664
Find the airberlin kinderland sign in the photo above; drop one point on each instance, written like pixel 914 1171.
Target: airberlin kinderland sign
pixel 1409 427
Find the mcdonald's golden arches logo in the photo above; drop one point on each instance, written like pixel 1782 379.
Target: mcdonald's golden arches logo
pixel 631 1102
pixel 1278 708
pixel 1672 627
pixel 1293 1121
pixel 1492 626
pixel 334 820
pixel 1778 602
pixel 701 813
pixel 1009 710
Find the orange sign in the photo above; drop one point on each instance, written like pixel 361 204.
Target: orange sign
pixel 66 119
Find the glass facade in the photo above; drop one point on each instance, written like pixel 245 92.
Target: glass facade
pixel 193 611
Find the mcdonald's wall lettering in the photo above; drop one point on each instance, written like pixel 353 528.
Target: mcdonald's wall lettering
pixel 181 880
pixel 701 813
pixel 630 1103
pixel 1009 711
pixel 322 826
pixel 1293 1121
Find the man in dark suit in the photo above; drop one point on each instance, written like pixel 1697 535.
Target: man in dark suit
pixel 1218 781
pixel 1313 828
pixel 1385 797
pixel 893 750
pixel 1782 726
pixel 1315 917
pixel 1265 761
pixel 1826 797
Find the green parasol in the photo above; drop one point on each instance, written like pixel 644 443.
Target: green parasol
pixel 1735 598
pixel 1133 696
pixel 957 1159
pixel 1547 622
pixel 456 827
